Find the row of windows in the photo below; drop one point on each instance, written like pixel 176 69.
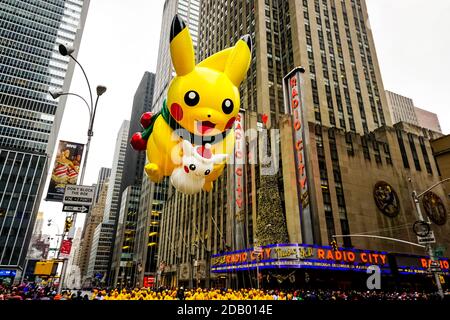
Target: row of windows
pixel 25 145
pixel 21 123
pixel 20 176
pixel 46 9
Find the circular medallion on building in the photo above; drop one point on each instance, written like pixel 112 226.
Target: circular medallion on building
pixel 434 207
pixel 386 199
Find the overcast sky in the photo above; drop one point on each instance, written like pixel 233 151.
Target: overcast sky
pixel 121 39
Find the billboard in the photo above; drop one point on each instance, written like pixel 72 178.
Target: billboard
pixel 65 169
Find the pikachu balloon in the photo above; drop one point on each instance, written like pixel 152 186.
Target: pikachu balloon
pixel 201 107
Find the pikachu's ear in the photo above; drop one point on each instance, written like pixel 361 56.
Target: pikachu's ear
pixel 239 60
pixel 187 148
pixel 217 61
pixel 181 47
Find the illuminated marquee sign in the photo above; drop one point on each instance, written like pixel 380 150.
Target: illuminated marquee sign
pixel 309 256
pixel 418 264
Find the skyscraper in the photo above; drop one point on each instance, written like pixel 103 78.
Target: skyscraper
pixel 123 267
pixel 355 154
pixel 103 177
pixel 115 180
pixel 132 181
pixel 153 195
pixel 30 66
pixel 401 108
pixel 142 102
pixel 93 219
pixel 428 120
pixel 102 242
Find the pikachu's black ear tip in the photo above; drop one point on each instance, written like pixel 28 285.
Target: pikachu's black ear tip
pixel 177 26
pixel 248 40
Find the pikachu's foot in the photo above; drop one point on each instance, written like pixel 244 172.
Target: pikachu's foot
pixel 152 171
pixel 208 186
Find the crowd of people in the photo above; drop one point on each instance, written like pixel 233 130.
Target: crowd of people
pixel 34 292
pixel 31 291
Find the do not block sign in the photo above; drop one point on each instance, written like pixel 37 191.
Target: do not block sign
pixel 79 195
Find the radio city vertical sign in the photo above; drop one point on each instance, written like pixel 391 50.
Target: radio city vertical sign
pixel 294 105
pixel 239 159
pixel 239 180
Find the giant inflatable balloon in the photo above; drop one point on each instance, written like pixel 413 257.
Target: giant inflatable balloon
pixel 190 139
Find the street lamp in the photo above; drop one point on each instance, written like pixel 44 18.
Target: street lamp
pixel 92 112
pixel 100 90
pixel 67 51
pixel 428 247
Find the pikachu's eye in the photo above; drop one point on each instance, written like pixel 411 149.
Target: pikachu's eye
pixel 227 106
pixel 191 98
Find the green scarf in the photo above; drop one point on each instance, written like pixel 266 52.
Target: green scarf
pixel 183 133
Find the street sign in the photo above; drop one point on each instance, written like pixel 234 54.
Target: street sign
pixel 79 195
pixel 427 239
pixel 421 228
pixel 439 251
pixel 435 266
pixel 82 209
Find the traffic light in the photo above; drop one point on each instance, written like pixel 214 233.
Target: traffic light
pixel 334 245
pixel 68 224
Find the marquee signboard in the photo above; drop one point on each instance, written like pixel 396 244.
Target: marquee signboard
pixel 299 256
pixel 317 257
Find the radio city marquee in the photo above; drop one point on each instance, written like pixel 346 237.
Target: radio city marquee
pixel 309 256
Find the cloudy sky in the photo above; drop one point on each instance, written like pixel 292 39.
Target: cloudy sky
pixel 121 41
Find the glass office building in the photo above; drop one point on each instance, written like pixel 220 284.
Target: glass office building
pixel 30 66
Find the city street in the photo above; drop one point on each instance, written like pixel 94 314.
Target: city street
pixel 256 153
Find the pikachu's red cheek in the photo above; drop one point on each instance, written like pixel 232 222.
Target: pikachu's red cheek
pixel 230 123
pixel 176 111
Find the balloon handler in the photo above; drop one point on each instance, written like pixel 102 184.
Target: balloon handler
pixel 201 107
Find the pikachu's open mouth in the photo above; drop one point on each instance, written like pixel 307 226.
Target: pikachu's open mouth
pixel 205 126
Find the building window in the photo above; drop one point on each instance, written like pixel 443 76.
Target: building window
pixel 425 155
pixel 331 231
pixel 414 152
pixel 402 149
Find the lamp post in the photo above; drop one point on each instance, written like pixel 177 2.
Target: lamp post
pixel 92 108
pixel 92 112
pixel 429 249
pixel 100 90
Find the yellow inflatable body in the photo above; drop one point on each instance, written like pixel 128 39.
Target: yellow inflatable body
pixel 202 104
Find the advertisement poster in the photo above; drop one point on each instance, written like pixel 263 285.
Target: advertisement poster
pixel 66 246
pixel 65 169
